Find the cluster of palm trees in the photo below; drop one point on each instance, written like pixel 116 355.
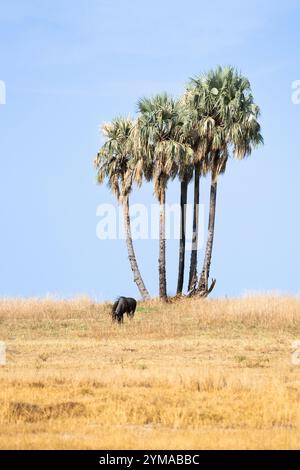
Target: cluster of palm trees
pixel 187 138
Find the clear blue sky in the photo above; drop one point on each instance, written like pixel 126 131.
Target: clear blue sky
pixel 70 65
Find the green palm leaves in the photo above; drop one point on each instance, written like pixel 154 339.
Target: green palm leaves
pixel 114 160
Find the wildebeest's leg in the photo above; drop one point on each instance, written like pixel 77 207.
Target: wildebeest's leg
pixel 114 317
pixel 131 307
pixel 120 310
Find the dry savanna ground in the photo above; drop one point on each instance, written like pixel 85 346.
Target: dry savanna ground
pixel 193 374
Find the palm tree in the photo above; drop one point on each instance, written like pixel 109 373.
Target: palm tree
pixel 185 174
pixel 194 251
pixel 161 147
pixel 114 162
pixel 184 164
pixel 228 121
pixel 185 177
pixel 218 166
pixel 199 145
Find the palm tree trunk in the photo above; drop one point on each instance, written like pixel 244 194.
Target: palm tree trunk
pixel 203 281
pixel 194 253
pixel 131 253
pixel 162 245
pixel 183 202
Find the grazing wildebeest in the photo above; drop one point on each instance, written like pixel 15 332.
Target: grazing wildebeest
pixel 121 306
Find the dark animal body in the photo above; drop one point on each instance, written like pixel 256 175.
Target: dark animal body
pixel 121 306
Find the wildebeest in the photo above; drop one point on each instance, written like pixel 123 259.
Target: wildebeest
pixel 121 306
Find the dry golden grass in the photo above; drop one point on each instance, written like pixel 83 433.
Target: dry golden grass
pixel 192 374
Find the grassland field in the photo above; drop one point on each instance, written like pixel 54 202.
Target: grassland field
pixel 194 374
